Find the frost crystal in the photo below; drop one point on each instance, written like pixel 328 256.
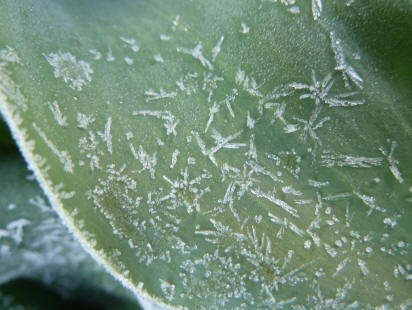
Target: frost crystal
pixel 330 159
pixel 348 72
pixel 319 92
pixel 309 126
pixel 153 95
pixel 185 192
pixel 148 162
pixel 64 156
pixel 316 9
pixel 9 55
pixel 393 163
pixel 106 136
pixel 83 120
pixel 245 29
pixel 197 53
pixel 167 289
pixel 220 142
pixel 170 121
pixel 58 116
pixel 74 73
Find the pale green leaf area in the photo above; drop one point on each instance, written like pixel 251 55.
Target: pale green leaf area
pixel 223 154
pixel 35 245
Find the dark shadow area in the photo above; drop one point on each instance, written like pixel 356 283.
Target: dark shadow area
pixel 34 295
pixel 7 144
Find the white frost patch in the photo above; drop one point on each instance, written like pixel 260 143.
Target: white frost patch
pixel 348 72
pixel 370 201
pixel 154 95
pixel 210 83
pixel 167 289
pixel 83 120
pixel 174 158
pixel 191 161
pixel 216 50
pixel 228 100
pixel 245 29
pixel 129 135
pixel 62 194
pixel 14 230
pixel 363 267
pixel 158 58
pixel 250 122
pixel 393 163
pixel 341 266
pixel 170 120
pixel 290 190
pixel 260 194
pixel 212 111
pixel 330 159
pixel 40 203
pixel 164 37
pixel 310 126
pixel 97 55
pixel 290 4
pixel 318 184
pixel 279 112
pixel 131 43
pixel 159 142
pixel 248 83
pixel 106 135
pixel 337 197
pixel 183 186
pixel 11 206
pixel 316 8
pixel 8 88
pixel 252 152
pixel 89 146
pixel 220 142
pixel 58 116
pixel 74 73
pixel 9 54
pixel 64 156
pixel 175 22
pixel 188 83
pixel 291 128
pixel 109 56
pixel 294 9
pixel 128 60
pixel 148 162
pixel 319 91
pixel 285 224
pixel 331 251
pixel 196 52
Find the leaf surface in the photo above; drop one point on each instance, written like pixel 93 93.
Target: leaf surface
pixel 227 154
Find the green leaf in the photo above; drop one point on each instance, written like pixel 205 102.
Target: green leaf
pixel 223 154
pixel 35 245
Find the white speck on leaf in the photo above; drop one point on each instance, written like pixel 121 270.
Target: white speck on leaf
pixel 245 29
